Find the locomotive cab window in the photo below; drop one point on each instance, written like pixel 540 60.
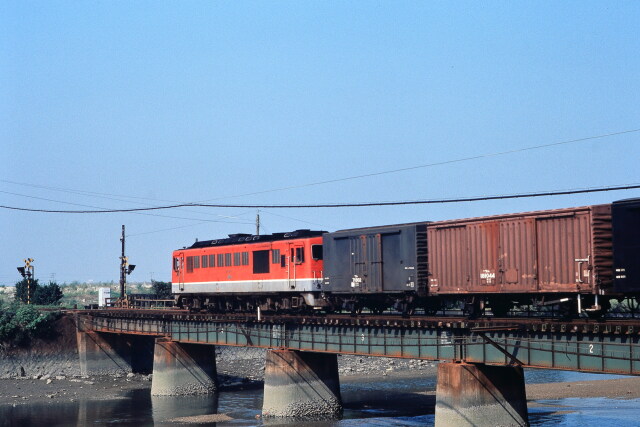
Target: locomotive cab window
pixel 298 255
pixel 316 252
pixel 176 264
pixel 189 264
pixel 275 256
pixel 260 262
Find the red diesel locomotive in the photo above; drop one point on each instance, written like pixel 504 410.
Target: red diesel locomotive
pixel 243 272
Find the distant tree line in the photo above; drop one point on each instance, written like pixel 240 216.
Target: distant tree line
pixel 162 290
pixel 49 294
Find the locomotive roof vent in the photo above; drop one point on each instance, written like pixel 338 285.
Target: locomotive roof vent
pixel 243 237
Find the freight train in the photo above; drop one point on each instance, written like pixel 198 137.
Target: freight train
pixel 574 259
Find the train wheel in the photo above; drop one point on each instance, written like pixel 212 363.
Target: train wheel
pixel 410 310
pixel 474 307
pixel 500 305
pixel 353 308
pixel 568 309
pixel 432 306
pixel 632 305
pixel 377 308
pixel 180 302
pixel 605 305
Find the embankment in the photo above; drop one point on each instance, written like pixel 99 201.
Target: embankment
pixel 54 355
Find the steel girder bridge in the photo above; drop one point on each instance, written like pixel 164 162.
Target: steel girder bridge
pixel 600 346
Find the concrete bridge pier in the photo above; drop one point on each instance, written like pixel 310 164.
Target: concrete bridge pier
pixel 480 395
pixel 301 385
pixel 183 369
pixel 103 354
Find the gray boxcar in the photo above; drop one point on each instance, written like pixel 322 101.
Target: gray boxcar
pixel 377 260
pixel 626 243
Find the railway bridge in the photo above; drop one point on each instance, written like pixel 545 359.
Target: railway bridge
pixel 480 379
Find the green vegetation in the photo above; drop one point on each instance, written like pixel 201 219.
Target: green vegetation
pixel 162 290
pixel 49 294
pixel 82 294
pixel 19 323
pixel 78 294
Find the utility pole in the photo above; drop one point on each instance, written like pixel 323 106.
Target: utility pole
pixel 28 272
pixel 125 269
pixel 258 223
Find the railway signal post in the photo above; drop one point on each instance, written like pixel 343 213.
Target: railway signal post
pixel 125 269
pixel 27 272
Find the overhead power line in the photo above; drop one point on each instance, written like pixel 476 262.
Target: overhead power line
pixel 428 165
pixel 97 209
pixel 109 196
pixel 349 178
pixel 343 205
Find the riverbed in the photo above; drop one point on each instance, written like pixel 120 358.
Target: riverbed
pixel 399 397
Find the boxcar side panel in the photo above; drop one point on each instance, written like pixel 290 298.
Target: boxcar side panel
pixel 448 259
pixel 564 252
pixel 483 239
pixel 518 267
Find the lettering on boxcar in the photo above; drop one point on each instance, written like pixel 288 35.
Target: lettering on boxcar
pixel 487 277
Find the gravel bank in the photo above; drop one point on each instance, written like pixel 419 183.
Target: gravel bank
pixel 237 362
pixel 54 389
pixel 620 388
pixel 47 389
pixel 34 377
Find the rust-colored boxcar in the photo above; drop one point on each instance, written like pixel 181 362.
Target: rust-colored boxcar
pixel 555 251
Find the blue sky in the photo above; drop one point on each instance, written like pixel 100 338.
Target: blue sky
pixel 132 104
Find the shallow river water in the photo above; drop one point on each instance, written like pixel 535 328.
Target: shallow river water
pixel 378 401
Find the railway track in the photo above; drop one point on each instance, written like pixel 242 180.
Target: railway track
pixel 614 325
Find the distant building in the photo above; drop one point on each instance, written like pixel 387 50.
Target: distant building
pixel 103 295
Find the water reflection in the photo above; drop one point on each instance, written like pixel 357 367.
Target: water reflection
pixel 26 415
pixel 578 412
pixel 539 376
pixel 383 401
pixel 166 408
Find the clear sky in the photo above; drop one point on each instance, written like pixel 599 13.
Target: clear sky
pixel 131 104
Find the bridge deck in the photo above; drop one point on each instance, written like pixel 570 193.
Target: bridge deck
pixel 605 346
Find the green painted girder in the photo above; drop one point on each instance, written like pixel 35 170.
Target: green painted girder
pixel 597 348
